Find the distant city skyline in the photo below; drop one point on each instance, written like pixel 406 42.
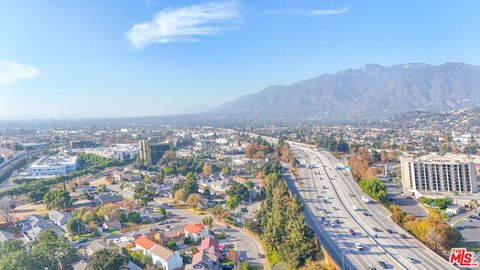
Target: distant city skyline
pixel 137 58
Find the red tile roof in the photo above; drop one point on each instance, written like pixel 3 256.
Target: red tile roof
pixel 144 242
pixel 209 243
pixel 194 228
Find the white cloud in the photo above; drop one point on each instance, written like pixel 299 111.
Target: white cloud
pixel 185 24
pixel 304 12
pixel 11 72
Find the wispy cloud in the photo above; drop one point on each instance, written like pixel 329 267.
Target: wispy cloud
pixel 11 72
pixel 186 23
pixel 305 12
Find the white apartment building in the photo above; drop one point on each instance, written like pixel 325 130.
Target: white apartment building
pixel 436 174
pixel 119 151
pixel 51 166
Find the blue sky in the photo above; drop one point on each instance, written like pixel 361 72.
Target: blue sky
pixel 62 59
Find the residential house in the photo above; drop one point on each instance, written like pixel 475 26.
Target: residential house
pixel 111 225
pixel 108 198
pixel 59 218
pixel 203 260
pixel 196 232
pixel 175 234
pixel 33 225
pixel 210 245
pixel 93 247
pixel 81 265
pixel 161 256
pixel 5 236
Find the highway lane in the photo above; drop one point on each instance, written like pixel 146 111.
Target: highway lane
pixel 379 217
pixel 317 200
pixel 395 247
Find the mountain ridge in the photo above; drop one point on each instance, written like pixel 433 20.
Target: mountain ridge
pixel 369 91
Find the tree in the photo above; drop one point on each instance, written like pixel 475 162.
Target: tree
pixel 102 188
pixel 220 213
pixel 180 195
pixel 13 256
pixel 194 201
pixel 208 222
pixel 245 265
pixel 191 185
pixel 206 192
pixel 134 217
pixel 57 199
pixel 244 210
pixel 75 226
pixel 226 171
pixel 207 168
pixel 168 156
pixel 162 211
pixel 143 194
pixel 239 190
pixel 233 202
pixel 106 259
pixel 52 251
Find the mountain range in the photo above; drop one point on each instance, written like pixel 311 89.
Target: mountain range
pixel 371 91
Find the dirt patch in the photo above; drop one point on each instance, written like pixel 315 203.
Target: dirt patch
pixel 25 210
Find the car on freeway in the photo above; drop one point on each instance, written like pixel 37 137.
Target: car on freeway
pixel 337 221
pixel 372 268
pixel 383 264
pixel 358 246
pixel 375 229
pixel 333 224
pixel 325 223
pixel 351 231
pixel 389 231
pixel 354 207
pixel 403 236
pixel 365 214
pixel 467 220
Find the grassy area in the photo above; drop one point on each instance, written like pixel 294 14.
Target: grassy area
pixel 87 235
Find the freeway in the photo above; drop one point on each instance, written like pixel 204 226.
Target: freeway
pixel 321 179
pixel 322 208
pixel 372 215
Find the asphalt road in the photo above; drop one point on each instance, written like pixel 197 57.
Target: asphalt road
pixel 321 201
pixel 395 246
pixel 248 248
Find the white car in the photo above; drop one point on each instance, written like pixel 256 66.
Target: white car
pixel 358 246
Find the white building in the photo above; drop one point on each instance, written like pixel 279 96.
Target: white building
pixel 161 256
pixel 51 166
pixel 119 151
pixel 435 174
